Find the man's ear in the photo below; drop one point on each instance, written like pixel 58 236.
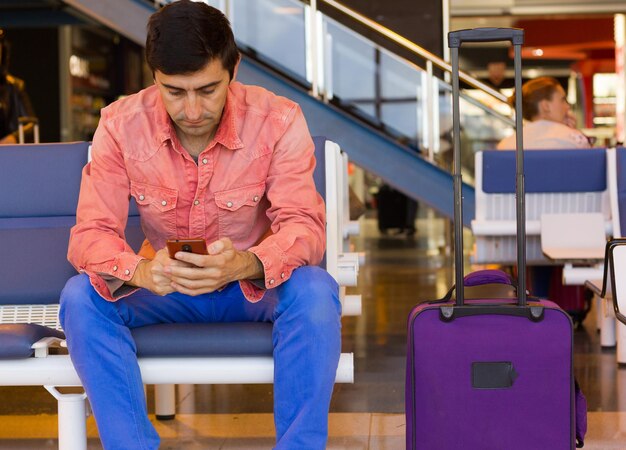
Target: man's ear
pixel 236 69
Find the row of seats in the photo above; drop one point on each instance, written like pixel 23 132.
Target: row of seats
pixel 576 199
pixel 558 183
pixel 40 186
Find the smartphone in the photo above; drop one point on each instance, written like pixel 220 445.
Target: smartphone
pixel 197 246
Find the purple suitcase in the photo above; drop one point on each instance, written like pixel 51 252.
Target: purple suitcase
pixel 493 369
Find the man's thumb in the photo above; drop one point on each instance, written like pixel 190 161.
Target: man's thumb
pixel 216 247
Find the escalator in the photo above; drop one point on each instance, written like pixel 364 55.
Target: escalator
pixel 392 116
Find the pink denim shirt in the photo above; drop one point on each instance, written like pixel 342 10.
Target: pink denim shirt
pixel 253 184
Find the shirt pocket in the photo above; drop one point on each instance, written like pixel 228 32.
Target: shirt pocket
pixel 157 208
pixel 238 209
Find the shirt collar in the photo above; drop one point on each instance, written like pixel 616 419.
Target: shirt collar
pixel 226 133
pixel 163 121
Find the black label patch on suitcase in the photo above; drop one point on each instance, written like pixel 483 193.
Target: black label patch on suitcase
pixel 493 375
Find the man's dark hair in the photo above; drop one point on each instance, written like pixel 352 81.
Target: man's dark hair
pixel 184 36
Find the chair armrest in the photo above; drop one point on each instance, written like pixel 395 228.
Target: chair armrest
pixel 579 236
pixel 42 346
pixel 351 305
pixel 351 228
pixel 347 269
pixel 579 275
pixel 503 227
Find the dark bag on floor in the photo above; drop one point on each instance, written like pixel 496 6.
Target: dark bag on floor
pixel 576 300
pixel 395 210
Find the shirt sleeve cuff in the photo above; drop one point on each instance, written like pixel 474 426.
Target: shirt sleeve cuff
pixel 274 262
pixel 108 278
pixel 251 291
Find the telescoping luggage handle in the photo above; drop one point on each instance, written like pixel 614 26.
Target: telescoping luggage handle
pixel 455 40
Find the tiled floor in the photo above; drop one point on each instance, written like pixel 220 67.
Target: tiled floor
pixel 398 272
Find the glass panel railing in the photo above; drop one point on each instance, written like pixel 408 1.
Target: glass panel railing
pixel 275 30
pixel 395 95
pixel 351 54
pixel 482 127
pixel 401 86
pixel 386 88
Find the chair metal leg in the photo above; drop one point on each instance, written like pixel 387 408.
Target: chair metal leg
pixel 165 401
pixel 72 419
pixel 186 398
pixel 598 308
pixel 621 343
pixel 607 330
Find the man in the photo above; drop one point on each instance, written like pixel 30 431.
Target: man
pixel 550 124
pixel 203 156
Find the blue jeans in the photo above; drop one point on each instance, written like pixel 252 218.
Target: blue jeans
pixel 305 311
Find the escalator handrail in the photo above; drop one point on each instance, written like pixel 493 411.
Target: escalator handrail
pixel 414 48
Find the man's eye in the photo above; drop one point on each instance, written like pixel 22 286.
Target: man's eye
pixel 176 93
pixel 208 92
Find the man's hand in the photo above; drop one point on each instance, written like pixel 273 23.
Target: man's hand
pixel 151 274
pixel 208 273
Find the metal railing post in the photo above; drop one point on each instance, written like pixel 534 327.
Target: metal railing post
pixel 312 48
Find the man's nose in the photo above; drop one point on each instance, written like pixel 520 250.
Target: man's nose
pixel 193 110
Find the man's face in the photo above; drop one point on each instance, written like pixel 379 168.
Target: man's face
pixel 195 101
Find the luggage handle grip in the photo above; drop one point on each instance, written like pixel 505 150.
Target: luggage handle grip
pixel 531 312
pixel 479 278
pixel 458 37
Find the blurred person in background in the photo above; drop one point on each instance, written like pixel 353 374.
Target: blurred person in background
pixel 549 125
pixel 549 121
pixel 14 102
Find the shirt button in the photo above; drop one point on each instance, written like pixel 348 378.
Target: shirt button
pixel 229 204
pixel 127 272
pixel 196 202
pixel 256 198
pixel 282 275
pixel 142 197
pixel 164 203
pixel 114 268
pixel 271 281
pixel 204 160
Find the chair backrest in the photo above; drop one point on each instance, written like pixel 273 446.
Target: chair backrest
pixel 40 186
pixel 328 181
pixel 319 174
pixel 556 181
pixel 44 179
pixel 321 178
pixel 41 183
